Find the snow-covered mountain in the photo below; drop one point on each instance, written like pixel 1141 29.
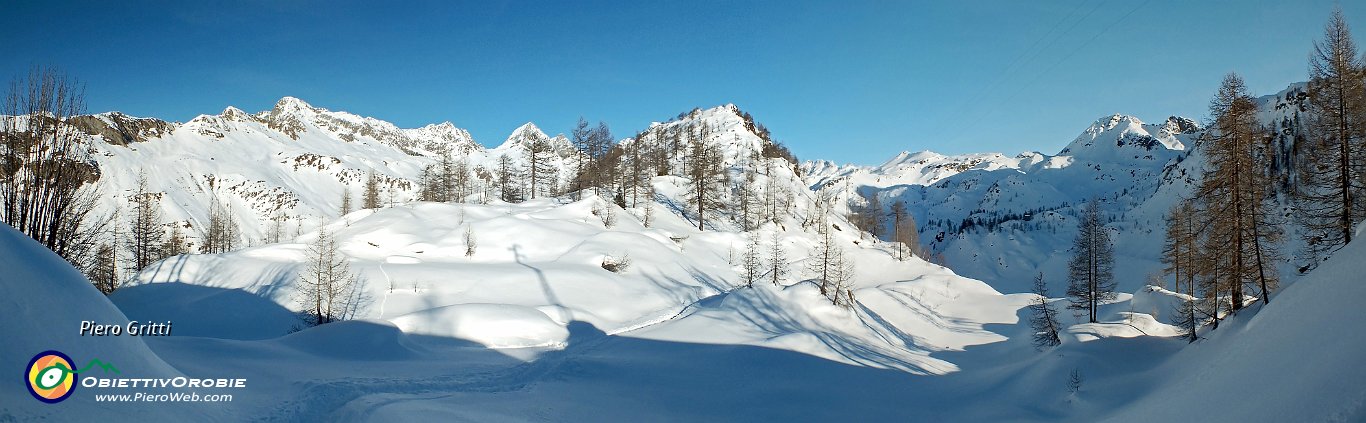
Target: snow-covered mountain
pixel 527 322
pixel 294 160
pixel 999 218
pixel 1002 219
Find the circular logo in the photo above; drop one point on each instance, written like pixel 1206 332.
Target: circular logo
pixel 50 377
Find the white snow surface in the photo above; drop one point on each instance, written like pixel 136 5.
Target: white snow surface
pixel 532 327
pixel 922 343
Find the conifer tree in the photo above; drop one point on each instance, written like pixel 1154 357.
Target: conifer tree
pixel 747 199
pixel 145 235
pixel 346 201
pixel 1331 193
pixel 706 174
pixel 1181 253
pixel 222 234
pixel 904 231
pixel 104 273
pixel 1091 269
pixel 1043 318
pixel 329 290
pixel 752 262
pixel 471 243
pixel 175 244
pixel 508 174
pixel 777 259
pixel 370 198
pixel 1236 192
pixel 541 173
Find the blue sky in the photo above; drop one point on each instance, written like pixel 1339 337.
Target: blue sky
pixel 845 81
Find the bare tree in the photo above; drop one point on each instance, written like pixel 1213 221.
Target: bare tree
pixel 508 174
pixel 581 137
pixel 752 261
pixel 842 272
pixel 1235 190
pixel 146 234
pixel 594 145
pixel 104 274
pixel 1091 270
pixel 649 217
pixel 47 176
pixel 462 183
pixel 607 213
pixel 706 174
pixel 541 172
pixel 828 264
pixel 222 234
pixel 346 201
pixel 175 244
pixel 328 289
pixel 904 232
pixel 1331 195
pixel 777 259
pixel 276 233
pixel 471 244
pixel 1181 254
pixel 747 199
pixel 370 197
pixel 1043 318
pixel 866 213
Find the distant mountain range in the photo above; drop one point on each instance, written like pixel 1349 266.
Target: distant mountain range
pixel 993 217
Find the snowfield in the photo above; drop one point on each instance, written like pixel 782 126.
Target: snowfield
pixel 527 323
pixel 672 338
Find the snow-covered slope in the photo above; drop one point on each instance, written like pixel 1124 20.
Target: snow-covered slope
pixel 1001 219
pixel 997 218
pixel 44 301
pixel 292 161
pixel 1293 360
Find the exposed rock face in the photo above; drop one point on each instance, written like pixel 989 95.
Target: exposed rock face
pixel 120 129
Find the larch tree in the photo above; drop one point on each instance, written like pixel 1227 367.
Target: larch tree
pixel 777 259
pixel 1331 191
pixel 471 243
pixel 867 214
pixel 747 199
pixel 829 265
pixel 507 176
pixel 462 183
pixel 580 136
pixel 635 170
pixel 329 290
pixel 1043 319
pixel 145 232
pixel 904 231
pixel 1235 191
pixel 1211 267
pixel 601 172
pixel 541 172
pixel 175 244
pixel 752 262
pixel 706 174
pixel 104 274
pixel 222 234
pixel 370 197
pixel 346 207
pixel 276 233
pixel 1090 272
pixel 1181 253
pixel 649 214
